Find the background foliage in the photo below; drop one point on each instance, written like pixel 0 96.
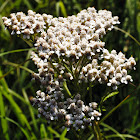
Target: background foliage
pixel 18 119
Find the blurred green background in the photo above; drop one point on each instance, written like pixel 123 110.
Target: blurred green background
pixel 18 119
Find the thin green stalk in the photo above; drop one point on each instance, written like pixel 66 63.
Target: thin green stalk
pixel 17 66
pixel 24 74
pixel 113 130
pixel 72 70
pixel 96 131
pixel 80 60
pixel 15 51
pixel 91 137
pixel 13 69
pixel 67 68
pixel 64 64
pixel 124 135
pixel 106 96
pixel 66 88
pixel 17 95
pixel 54 67
pixel 82 65
pixel 30 43
pixel 104 118
pixel 127 34
pixel 75 80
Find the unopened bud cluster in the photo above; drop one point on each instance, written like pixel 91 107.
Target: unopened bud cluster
pixel 70 49
pixel 72 112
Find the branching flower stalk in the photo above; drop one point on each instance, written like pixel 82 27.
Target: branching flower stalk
pixel 96 130
pixel 71 57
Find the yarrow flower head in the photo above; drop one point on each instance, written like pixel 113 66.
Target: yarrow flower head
pixel 70 50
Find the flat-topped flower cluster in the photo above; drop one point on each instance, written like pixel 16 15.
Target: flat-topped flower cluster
pixel 70 49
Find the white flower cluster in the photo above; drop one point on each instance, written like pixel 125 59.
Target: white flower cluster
pixel 72 112
pixel 21 24
pixel 70 49
pixel 76 36
pixel 88 23
pixel 112 70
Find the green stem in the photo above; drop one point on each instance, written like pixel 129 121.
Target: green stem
pixel 17 65
pixel 96 131
pixel 54 66
pixel 29 42
pixel 66 88
pixel 64 64
pixel 127 34
pixel 16 51
pixel 107 91
pixel 104 118
pixel 72 70
pixel 84 60
pixel 67 68
pixel 80 60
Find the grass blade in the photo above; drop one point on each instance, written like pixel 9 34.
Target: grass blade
pixel 91 137
pixel 57 9
pixel 29 6
pixel 30 109
pixel 112 129
pixel 18 65
pixel 17 110
pixel 63 9
pixel 24 73
pixel 62 137
pixel 105 117
pixel 43 132
pixel 110 95
pixel 17 96
pixel 128 35
pixel 138 23
pixel 66 88
pixel 21 128
pixel 3 5
pixel 4 123
pixel 124 135
pixel 54 132
pixel 16 51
